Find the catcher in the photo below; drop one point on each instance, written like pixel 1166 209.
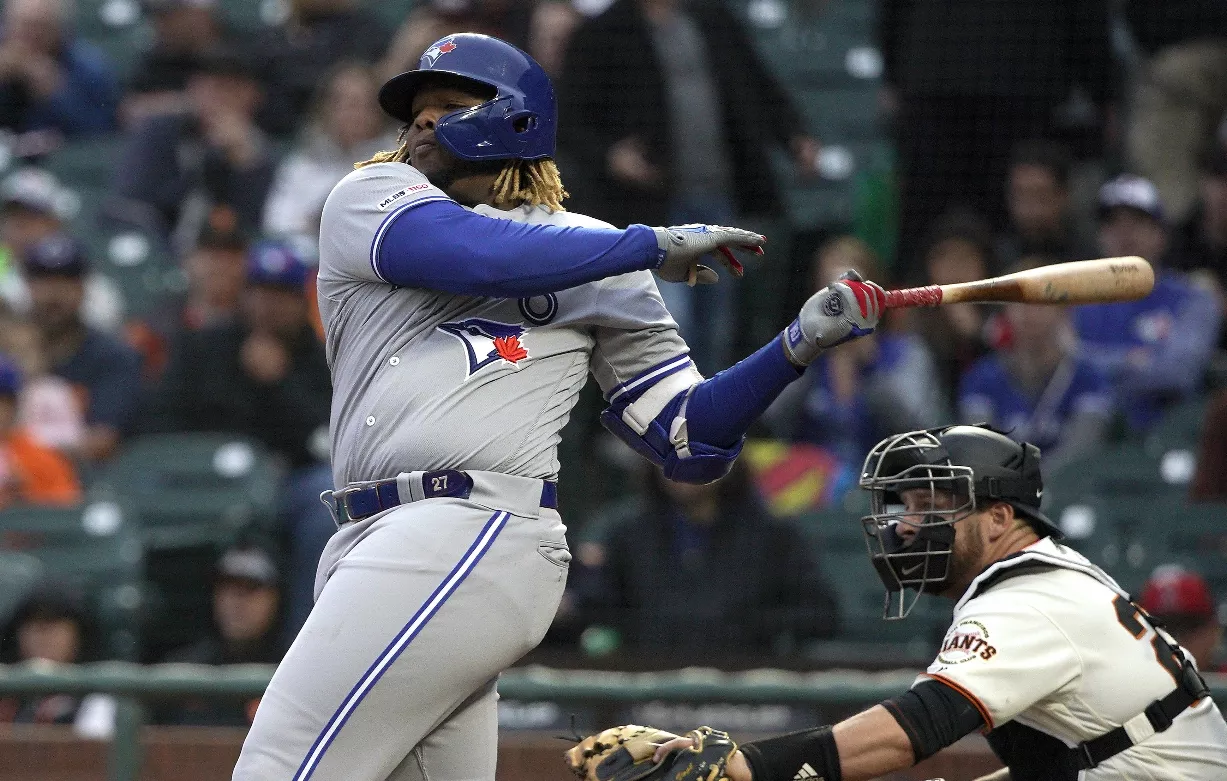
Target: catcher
pixel 1068 678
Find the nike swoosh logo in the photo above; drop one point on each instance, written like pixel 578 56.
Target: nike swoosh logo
pixel 910 570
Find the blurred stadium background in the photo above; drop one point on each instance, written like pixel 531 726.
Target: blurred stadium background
pixel 923 140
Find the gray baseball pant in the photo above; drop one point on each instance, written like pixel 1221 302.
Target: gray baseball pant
pixel 418 609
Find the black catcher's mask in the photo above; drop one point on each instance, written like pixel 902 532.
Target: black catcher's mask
pixel 973 464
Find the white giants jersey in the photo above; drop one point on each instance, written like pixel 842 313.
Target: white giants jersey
pixel 1061 650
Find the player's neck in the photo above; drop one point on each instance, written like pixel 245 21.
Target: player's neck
pixel 1011 542
pixel 473 190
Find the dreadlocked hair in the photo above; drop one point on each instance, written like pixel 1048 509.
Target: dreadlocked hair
pixel 398 155
pixel 532 182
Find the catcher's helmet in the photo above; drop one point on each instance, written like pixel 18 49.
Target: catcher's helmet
pixel 974 464
pixel 518 123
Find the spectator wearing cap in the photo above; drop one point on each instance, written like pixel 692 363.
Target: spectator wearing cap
pixel 105 371
pixel 346 125
pixel 246 623
pixel 264 375
pixel 49 78
pixel 33 206
pixel 52 625
pixel 183 31
pixel 1183 605
pixel 298 54
pixel 1035 386
pixel 30 472
pixel 179 167
pixel 1153 351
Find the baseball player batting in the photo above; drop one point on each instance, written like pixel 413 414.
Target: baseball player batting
pixel 464 310
pixel 1067 676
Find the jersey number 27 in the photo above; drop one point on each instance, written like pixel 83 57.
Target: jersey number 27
pixel 1130 617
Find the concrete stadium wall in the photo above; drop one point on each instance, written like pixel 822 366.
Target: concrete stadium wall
pixel 40 753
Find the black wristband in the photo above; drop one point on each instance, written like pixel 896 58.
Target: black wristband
pixel 809 755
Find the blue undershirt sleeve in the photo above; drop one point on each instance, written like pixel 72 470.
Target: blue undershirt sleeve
pixel 722 408
pixel 442 246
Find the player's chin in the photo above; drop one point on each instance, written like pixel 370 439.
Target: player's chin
pixel 427 158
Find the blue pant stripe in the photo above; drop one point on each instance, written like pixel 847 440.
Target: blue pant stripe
pixel 389 655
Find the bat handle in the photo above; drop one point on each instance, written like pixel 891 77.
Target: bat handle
pixel 929 295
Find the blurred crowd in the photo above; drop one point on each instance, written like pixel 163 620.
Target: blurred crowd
pixel 1026 134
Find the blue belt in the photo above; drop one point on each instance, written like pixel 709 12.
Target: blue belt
pixel 359 502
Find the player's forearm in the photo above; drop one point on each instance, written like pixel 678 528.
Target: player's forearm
pixel 863 747
pixel 724 407
pixel 441 246
pixel 872 744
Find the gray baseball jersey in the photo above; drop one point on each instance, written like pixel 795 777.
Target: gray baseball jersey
pixel 419 608
pixel 428 380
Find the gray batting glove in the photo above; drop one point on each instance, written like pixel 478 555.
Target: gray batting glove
pixel 681 246
pixel 842 311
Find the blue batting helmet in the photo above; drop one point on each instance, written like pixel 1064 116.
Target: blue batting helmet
pixel 519 122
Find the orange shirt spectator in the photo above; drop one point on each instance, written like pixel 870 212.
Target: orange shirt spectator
pixel 30 473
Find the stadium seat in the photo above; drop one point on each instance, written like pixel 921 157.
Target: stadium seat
pixel 393 12
pixel 193 489
pixel 115 26
pixel 833 47
pixel 193 494
pixel 843 115
pixel 251 15
pixel 1124 472
pixel 1179 428
pixel 94 548
pixel 19 572
pixel 139 262
pixel 88 163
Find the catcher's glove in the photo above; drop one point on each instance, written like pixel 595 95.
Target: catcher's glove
pixel 627 753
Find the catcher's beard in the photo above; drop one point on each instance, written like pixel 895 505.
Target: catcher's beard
pixel 966 554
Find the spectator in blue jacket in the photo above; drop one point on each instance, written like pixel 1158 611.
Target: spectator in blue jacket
pixel 49 79
pixel 1035 386
pixel 1154 351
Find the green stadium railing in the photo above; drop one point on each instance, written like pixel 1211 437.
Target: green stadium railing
pixel 134 683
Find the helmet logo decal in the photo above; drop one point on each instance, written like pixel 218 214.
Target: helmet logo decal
pixel 431 55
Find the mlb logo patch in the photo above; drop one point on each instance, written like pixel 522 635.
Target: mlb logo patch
pixel 488 341
pixel 432 55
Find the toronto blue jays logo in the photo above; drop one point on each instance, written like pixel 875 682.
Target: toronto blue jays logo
pixel 488 341
pixel 436 51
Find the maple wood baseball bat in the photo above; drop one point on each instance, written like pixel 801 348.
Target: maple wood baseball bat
pixel 1081 282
